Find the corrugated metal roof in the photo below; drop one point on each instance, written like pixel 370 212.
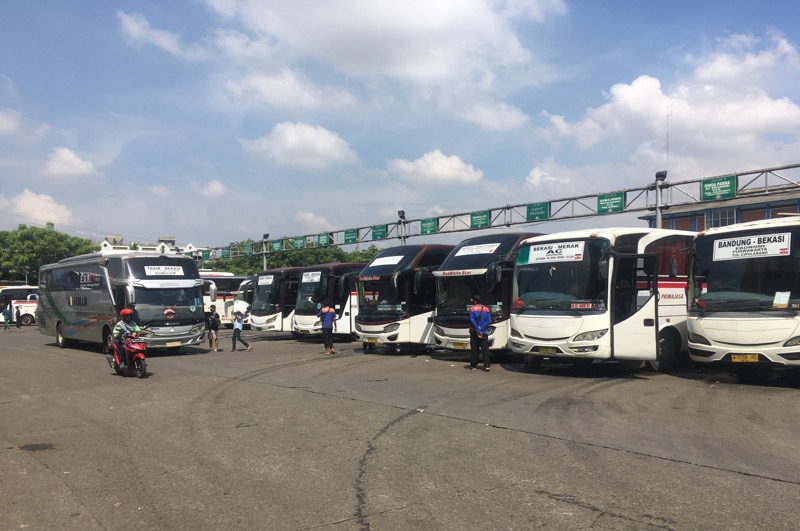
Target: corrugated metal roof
pixel 761 200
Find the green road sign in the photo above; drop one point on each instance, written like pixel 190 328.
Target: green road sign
pixel 538 212
pixel 324 239
pixel 299 242
pixel 205 254
pixel 479 220
pixel 608 203
pixel 379 232
pixel 248 249
pixel 226 252
pixel 719 188
pixel 276 245
pixel 429 226
pixel 351 236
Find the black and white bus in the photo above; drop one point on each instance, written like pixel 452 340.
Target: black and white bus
pixel 332 284
pixel 274 298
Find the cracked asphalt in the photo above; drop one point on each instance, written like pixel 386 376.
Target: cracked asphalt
pixel 283 437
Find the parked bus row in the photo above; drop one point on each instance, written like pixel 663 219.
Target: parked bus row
pixel 630 295
pixel 21 298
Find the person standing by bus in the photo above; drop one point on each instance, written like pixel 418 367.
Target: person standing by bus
pixel 479 317
pixel 6 317
pixel 328 317
pixel 18 317
pixel 213 329
pixel 238 325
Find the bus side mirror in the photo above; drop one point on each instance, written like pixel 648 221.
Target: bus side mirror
pixel 130 295
pixel 212 290
pixel 602 269
pixel 492 276
pixel 417 280
pixel 394 285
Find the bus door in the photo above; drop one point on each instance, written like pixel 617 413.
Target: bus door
pixel 634 307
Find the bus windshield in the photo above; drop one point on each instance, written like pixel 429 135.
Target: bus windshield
pixel 375 298
pixel 455 293
pixel 312 291
pixel 152 305
pixel 746 271
pixel 267 293
pixel 560 276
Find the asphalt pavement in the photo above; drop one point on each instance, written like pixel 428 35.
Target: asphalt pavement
pixel 283 437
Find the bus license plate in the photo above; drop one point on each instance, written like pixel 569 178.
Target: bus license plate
pixel 173 343
pixel 460 346
pixel 547 351
pixel 744 358
pixel 372 340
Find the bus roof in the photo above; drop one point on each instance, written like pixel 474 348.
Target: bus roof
pixel 788 221
pixel 400 258
pixel 118 254
pixel 473 255
pixel 281 271
pixel 610 233
pixel 335 265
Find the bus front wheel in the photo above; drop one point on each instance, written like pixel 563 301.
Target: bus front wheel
pixel 26 320
pixel 61 341
pixel 108 341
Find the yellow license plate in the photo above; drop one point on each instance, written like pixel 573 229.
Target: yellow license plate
pixel 173 343
pixel 372 340
pixel 744 358
pixel 460 346
pixel 547 350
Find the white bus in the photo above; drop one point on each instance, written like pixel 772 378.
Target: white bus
pixel 228 292
pixel 744 295
pixel 482 266
pixel 603 294
pixel 331 284
pixel 81 297
pixel 23 297
pixel 274 298
pixel 397 296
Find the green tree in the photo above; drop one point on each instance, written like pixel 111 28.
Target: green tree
pixel 252 264
pixel 24 250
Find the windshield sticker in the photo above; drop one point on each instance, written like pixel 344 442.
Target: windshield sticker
pixel 753 246
pixel 313 276
pixel 385 260
pixel 163 270
pixel 485 248
pixel 556 252
pixel 265 280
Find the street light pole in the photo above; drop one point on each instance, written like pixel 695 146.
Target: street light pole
pixel 264 239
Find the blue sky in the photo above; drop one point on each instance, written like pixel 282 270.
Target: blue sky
pixel 219 120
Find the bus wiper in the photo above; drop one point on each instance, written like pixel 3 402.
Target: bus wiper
pixel 563 309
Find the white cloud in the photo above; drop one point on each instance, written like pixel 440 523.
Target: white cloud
pixel 303 145
pixel 213 188
pixel 160 191
pixel 63 162
pixel 495 116
pixel 309 222
pixel 138 30
pixel 435 168
pixel 40 207
pixel 9 121
pixel 738 60
pixel 287 90
pixel 414 40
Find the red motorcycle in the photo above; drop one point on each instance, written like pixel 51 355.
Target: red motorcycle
pixel 133 359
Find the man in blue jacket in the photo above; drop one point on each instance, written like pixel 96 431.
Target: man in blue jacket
pixel 328 317
pixel 479 317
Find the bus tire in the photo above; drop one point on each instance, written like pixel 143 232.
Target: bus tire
pixel 61 341
pixel 532 363
pixel 108 341
pixel 26 320
pixel 667 352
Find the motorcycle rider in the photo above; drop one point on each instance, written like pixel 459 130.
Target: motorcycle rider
pixel 125 326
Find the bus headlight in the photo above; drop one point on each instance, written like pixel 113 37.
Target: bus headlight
pixel 514 333
pixel 197 328
pixel 792 342
pixel 591 336
pixel 271 319
pixel 358 328
pixel 391 328
pixel 700 340
pixel 438 330
pixel 490 330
